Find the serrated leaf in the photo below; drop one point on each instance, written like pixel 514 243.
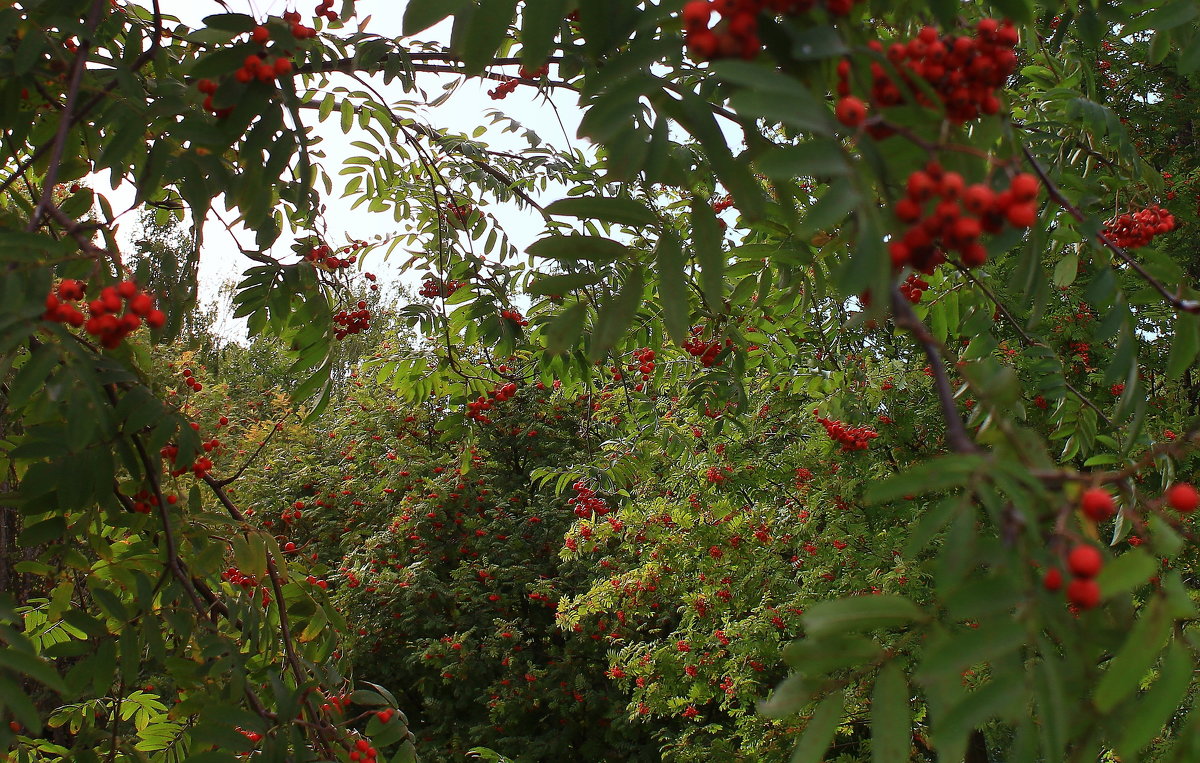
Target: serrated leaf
pixel 589 248
pixel 672 287
pixel 486 29
pixel 564 330
pixel 561 285
pixel 858 613
pixel 1184 344
pixel 1128 571
pixel 616 315
pixel 891 716
pixel 419 15
pixel 706 237
pixel 623 211
pixel 819 733
pixel 1134 659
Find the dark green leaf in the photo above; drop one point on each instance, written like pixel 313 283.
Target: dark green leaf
pixel 623 211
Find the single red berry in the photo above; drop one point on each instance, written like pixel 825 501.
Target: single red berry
pixel 260 35
pixel 851 111
pixel 1097 504
pixel 1083 593
pixel 1183 497
pixel 1053 579
pixel 1024 187
pixel 1085 561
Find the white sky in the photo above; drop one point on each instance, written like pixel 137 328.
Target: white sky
pixel 220 259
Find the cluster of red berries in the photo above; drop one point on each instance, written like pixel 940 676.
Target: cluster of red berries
pixel 209 88
pixel 1130 231
pixel 200 467
pixel 717 475
pixel 960 214
pixel 319 583
pixel 514 316
pixel 436 287
pixel 736 34
pixel 236 577
pixel 105 324
pixel 363 751
pixel 256 68
pixel 324 256
pixel 963 72
pixel 586 504
pixel 144 501
pixel 326 9
pixel 337 703
pixel 707 352
pixel 191 381
pixel 643 364
pixel 461 212
pixel 509 85
pixel 913 287
pixel 298 30
pixel 850 438
pixel 721 204
pixel 477 409
pixel 1084 563
pixel 351 322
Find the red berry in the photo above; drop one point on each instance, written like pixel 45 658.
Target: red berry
pixel 1083 593
pixel 1097 504
pixel 1053 579
pixel 260 35
pixel 851 111
pixel 1085 561
pixel 1183 497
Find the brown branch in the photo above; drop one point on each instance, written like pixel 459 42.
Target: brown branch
pixel 1029 340
pixel 1056 195
pixel 66 120
pixel 956 433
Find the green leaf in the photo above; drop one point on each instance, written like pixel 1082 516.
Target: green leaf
pixel 1018 10
pixel 616 316
pixel 623 211
pixel 419 15
pixel 1184 345
pixel 43 532
pixel 672 287
pixel 487 26
pixel 816 158
pixel 819 733
pixel 858 613
pixel 706 236
pixel 891 716
pixel 1156 707
pixel 561 285
pixel 1168 16
pixel 1128 571
pixel 540 22
pixel 930 476
pixel 564 330
pixel 32 376
pixel 575 247
pixel 1126 670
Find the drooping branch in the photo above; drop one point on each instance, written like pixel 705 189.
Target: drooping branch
pixel 1177 302
pixel 956 432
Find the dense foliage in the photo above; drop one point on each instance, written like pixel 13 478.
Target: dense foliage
pixel 853 374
